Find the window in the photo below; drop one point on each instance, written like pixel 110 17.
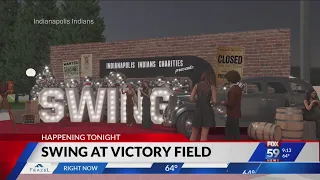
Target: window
pixel 271 90
pixel 298 88
pixel 252 88
pixel 276 88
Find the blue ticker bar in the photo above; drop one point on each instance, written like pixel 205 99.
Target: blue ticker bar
pixel 177 168
pixel 233 168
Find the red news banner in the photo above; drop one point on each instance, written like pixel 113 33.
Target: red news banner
pixel 94 137
pixel 13 145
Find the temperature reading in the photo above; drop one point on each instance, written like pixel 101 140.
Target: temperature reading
pixel 171 167
pixel 285 156
pixel 249 172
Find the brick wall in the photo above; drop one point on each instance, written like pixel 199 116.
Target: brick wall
pixel 267 52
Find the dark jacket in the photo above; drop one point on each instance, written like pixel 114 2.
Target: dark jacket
pixel 234 102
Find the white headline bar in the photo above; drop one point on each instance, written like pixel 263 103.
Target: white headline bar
pixel 197 152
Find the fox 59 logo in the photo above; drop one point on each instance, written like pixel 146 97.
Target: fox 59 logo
pixel 273 151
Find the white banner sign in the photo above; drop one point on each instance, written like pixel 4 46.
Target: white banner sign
pixel 71 70
pixel 86 65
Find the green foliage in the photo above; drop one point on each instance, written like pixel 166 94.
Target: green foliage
pixel 85 10
pixel 8 17
pixel 31 42
pixel 25 44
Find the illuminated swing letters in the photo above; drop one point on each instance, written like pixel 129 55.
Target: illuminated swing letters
pixel 77 107
pixel 95 105
pixel 47 99
pixel 138 108
pixel 156 105
pixel 123 106
pixel 113 104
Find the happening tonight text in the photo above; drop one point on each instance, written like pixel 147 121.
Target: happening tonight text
pixel 80 137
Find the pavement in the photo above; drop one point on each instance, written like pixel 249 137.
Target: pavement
pixel 4 115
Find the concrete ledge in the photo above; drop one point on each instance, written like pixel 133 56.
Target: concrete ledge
pixel 4 115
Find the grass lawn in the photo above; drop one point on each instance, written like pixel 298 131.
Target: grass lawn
pixel 15 106
pixel 21 98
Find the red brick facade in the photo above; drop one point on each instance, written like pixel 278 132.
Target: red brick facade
pixel 267 52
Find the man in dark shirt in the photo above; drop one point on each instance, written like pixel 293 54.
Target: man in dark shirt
pixel 233 105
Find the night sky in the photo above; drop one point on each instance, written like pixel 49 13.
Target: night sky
pixel 143 20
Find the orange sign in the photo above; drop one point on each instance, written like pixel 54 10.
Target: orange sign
pixel 10 87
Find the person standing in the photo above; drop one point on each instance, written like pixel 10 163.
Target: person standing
pixel 204 115
pixel 310 113
pixel 129 104
pixel 146 116
pixel 233 104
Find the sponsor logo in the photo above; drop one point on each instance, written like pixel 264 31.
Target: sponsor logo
pixel 39 168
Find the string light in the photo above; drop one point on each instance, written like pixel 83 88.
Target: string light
pixel 53 111
pixel 156 106
pixel 87 99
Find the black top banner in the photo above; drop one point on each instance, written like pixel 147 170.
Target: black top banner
pixel 175 66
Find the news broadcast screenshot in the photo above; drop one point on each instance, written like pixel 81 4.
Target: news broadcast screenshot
pixel 130 90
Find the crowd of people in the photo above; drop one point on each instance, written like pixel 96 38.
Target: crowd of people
pixel 204 95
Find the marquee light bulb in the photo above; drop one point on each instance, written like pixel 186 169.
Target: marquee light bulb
pixel 123 108
pixel 46 114
pixel 156 106
pixel 112 113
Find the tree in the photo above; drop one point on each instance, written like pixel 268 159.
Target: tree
pixel 31 42
pixel 85 24
pixel 8 18
pixel 44 35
